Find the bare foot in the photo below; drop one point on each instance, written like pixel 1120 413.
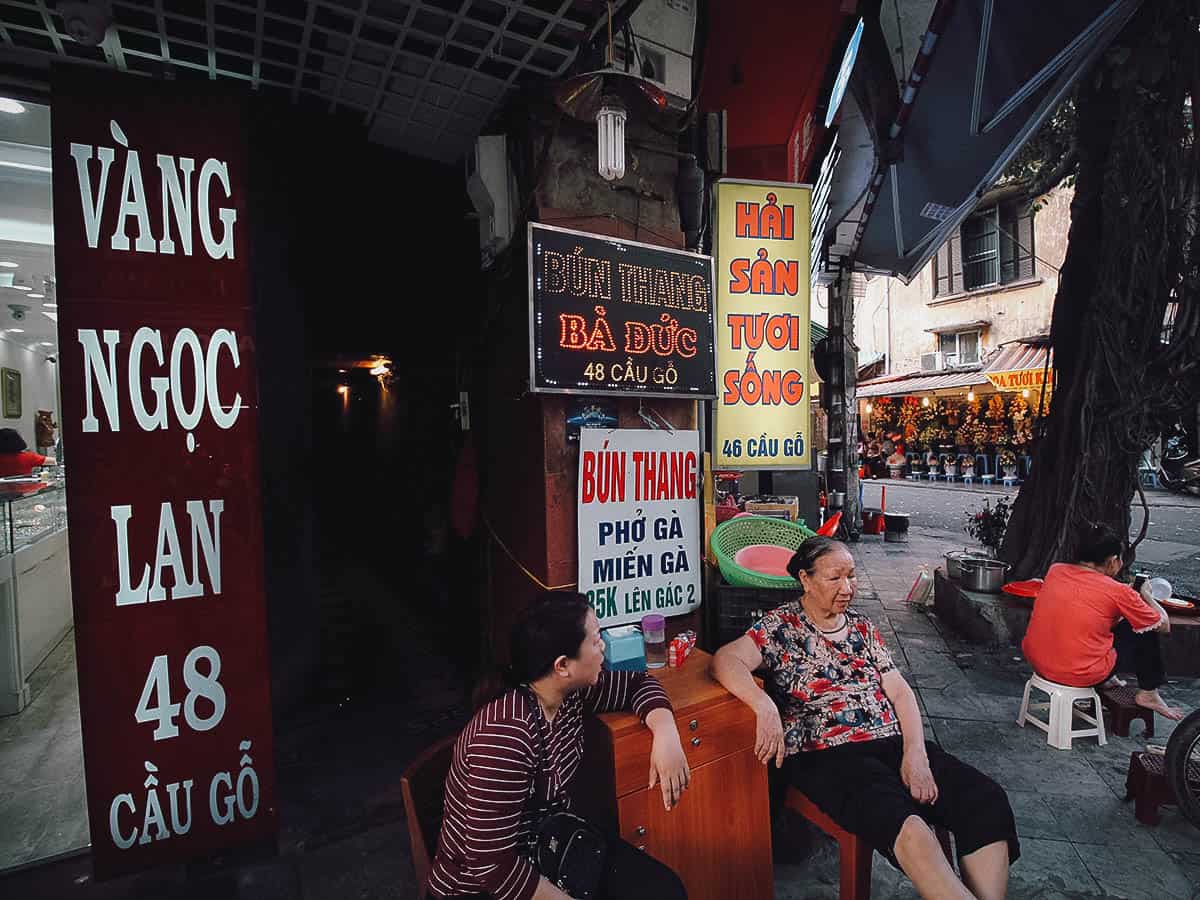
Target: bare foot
pixel 1152 700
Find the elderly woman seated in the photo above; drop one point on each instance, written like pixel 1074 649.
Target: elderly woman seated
pixel 851 734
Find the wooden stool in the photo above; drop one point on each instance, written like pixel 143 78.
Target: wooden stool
pixel 854 854
pixel 1119 703
pixel 1146 785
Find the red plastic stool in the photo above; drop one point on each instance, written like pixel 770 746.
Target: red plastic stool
pixel 1122 710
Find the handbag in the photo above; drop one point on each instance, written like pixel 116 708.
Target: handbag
pixel 570 852
pixel 567 850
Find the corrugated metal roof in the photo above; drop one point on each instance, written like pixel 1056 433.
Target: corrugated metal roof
pixel 895 386
pixel 1019 355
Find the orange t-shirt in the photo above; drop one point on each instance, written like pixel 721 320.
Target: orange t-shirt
pixel 1070 639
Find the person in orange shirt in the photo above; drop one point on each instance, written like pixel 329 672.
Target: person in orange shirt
pixel 1087 626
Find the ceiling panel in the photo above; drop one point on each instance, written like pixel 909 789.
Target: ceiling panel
pixel 435 69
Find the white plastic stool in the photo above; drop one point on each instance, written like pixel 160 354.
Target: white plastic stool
pixel 1059 728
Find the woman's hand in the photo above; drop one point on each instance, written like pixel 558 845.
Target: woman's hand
pixel 768 737
pixel 917 777
pixel 668 763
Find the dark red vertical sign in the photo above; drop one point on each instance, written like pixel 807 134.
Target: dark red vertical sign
pixel 160 420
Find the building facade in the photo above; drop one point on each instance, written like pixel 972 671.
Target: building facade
pixel 992 283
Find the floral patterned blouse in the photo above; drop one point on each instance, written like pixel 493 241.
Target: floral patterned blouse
pixel 830 692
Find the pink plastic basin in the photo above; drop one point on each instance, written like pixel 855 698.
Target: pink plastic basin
pixel 765 559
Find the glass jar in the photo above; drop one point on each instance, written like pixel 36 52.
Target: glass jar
pixel 654 638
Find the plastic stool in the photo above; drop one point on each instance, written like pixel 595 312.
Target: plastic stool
pixel 1009 482
pixel 968 479
pixel 1059 728
pixel 987 479
pixel 1122 710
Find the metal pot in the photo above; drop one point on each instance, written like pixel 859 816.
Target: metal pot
pixel 954 562
pixel 983 575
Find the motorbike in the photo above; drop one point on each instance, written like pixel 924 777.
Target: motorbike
pixel 1182 765
pixel 1179 470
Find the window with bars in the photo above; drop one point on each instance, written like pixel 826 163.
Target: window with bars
pixel 992 247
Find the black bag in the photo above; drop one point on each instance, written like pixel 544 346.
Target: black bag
pixel 567 850
pixel 570 853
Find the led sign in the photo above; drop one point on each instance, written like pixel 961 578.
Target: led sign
pixel 608 316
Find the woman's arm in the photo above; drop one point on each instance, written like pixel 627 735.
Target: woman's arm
pixel 1164 621
pixel 734 666
pixel 914 768
pixel 668 763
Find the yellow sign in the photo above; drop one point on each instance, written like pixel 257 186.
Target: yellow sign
pixel 1017 380
pixel 762 413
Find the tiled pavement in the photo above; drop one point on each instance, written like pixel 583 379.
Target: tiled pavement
pixel 1078 839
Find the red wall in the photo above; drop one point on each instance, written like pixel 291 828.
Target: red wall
pixel 765 65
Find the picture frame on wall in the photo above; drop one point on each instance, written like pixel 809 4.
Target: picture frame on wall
pixel 10 387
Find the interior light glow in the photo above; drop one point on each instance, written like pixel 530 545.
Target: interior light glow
pixel 610 136
pixel 870 407
pixel 50 305
pixel 9 105
pixel 36 296
pixel 970 396
pixel 380 369
pixel 21 287
pixel 924 401
pixel 45 344
pixel 16 331
pixel 1025 393
pixel 8 264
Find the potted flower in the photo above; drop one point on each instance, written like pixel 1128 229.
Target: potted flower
pixel 1008 463
pixel 968 466
pixel 988 525
pixel 950 465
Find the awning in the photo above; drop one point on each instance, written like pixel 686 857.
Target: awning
pixel 959 326
pixel 1020 365
pixel 900 385
pixel 984 78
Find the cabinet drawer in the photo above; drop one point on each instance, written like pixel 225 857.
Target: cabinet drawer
pixel 706 734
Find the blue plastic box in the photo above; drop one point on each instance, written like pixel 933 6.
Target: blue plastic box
pixel 623 649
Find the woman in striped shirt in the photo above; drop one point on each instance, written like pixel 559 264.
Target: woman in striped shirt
pixel 517 757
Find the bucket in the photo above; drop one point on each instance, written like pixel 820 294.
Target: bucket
pixel 872 521
pixel 895 528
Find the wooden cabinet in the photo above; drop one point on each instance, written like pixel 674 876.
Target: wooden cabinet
pixel 718 838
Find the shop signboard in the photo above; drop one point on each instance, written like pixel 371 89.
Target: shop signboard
pixel 1018 380
pixel 761 248
pixel 608 316
pixel 640 541
pixel 160 421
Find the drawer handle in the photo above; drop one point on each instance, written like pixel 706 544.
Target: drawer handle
pixel 694 724
pixel 641 831
pixel 695 742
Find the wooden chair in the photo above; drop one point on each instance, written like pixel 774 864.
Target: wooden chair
pixel 422 786
pixel 854 854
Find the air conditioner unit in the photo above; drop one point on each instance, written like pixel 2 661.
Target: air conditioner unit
pixel 493 192
pixel 664 35
pixel 932 362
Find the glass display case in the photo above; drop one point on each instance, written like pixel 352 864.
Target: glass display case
pixel 31 510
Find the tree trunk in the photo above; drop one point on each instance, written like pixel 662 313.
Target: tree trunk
pixel 1129 251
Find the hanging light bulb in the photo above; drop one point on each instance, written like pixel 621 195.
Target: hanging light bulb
pixel 970 396
pixel 1025 393
pixel 924 401
pixel 610 136
pixel 869 408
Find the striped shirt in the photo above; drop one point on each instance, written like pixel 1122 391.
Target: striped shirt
pixel 510 766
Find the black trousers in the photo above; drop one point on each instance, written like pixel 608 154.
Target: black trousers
pixel 631 874
pixel 859 787
pixel 1140 654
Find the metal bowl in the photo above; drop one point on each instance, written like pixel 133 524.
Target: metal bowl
pixel 983 575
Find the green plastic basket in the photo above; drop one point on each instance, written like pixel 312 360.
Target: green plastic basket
pixel 730 537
